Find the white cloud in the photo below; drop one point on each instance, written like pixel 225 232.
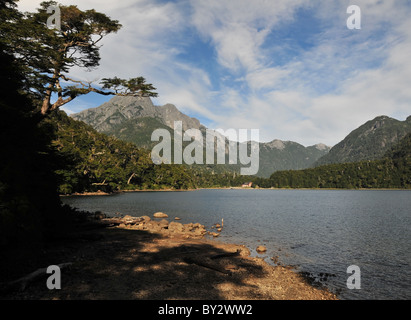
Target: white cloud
pixel 237 29
pixel 342 79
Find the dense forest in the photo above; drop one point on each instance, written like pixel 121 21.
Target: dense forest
pixel 92 161
pixel 393 171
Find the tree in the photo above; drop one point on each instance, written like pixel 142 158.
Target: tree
pixel 48 54
pixel 29 202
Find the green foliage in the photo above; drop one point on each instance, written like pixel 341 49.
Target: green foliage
pixel 402 149
pixel 138 132
pixel 394 171
pixel 127 87
pixel 94 161
pixel 47 54
pixel 97 158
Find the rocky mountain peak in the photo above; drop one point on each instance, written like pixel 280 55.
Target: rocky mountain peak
pixel 120 109
pixel 277 144
pixel 379 122
pixel 321 146
pixel 127 101
pixel 169 113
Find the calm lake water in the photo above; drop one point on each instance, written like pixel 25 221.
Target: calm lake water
pixel 320 232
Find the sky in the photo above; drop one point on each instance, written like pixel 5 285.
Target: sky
pixel 290 68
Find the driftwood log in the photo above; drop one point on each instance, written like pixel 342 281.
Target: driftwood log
pixel 224 255
pixel 207 262
pixel 202 262
pixel 124 220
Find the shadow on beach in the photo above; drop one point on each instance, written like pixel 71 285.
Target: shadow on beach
pixel 115 263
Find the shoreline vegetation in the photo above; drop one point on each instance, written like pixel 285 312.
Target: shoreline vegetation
pixel 100 162
pixel 102 193
pixel 152 258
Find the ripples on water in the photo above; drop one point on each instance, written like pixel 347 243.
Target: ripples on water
pixel 321 232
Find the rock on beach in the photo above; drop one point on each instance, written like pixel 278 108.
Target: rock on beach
pixel 261 249
pixel 160 215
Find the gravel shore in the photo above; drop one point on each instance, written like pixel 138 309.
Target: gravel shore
pixel 142 258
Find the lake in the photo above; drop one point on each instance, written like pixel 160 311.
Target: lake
pixel 320 232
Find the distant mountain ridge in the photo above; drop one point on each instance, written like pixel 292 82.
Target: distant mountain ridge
pixel 280 155
pixel 370 141
pixel 133 119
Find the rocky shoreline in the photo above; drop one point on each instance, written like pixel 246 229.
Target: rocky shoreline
pixel 103 193
pixel 163 226
pixel 125 257
pixel 158 224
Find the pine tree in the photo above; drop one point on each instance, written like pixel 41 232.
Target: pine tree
pixel 47 53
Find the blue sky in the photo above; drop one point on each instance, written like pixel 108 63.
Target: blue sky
pixel 290 68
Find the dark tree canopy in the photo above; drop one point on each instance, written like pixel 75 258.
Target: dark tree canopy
pixel 48 54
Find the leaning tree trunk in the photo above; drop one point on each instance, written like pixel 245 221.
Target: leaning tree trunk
pixel 131 177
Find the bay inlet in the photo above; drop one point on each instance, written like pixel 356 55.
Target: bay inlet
pixel 318 232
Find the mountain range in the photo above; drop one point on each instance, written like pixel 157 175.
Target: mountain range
pixel 370 141
pixel 133 119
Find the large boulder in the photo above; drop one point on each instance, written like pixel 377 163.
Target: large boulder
pixel 160 215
